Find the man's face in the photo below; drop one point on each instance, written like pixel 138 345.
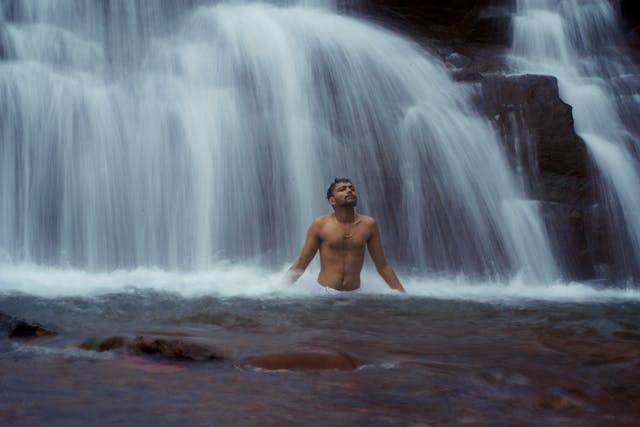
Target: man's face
pixel 344 194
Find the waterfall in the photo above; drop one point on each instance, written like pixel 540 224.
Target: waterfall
pixel 178 134
pixel 578 42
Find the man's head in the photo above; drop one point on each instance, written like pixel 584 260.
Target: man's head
pixel 342 192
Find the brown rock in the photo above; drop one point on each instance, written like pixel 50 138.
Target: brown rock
pixel 538 131
pixel 467 21
pixel 303 361
pixel 30 330
pixel 111 343
pixel 18 328
pixel 621 393
pixel 555 403
pixel 528 111
pixel 626 335
pixel 630 10
pixel 574 247
pixel 172 349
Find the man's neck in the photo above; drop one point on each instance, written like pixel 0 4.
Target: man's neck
pixel 344 214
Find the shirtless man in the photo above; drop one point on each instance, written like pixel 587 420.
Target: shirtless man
pixel 341 238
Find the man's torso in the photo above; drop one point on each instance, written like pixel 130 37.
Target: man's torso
pixel 342 251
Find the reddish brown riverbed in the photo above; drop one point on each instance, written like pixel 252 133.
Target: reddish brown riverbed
pixel 425 362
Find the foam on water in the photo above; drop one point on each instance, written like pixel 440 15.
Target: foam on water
pixel 518 290
pixel 232 280
pixel 63 353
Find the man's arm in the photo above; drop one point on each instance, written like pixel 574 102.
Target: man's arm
pixel 309 249
pixel 377 255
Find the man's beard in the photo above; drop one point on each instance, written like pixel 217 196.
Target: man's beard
pixel 350 203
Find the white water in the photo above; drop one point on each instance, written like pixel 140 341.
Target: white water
pixel 229 280
pixel 171 137
pixel 577 42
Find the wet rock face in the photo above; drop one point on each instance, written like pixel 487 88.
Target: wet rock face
pixel 18 328
pixel 467 21
pixel 529 113
pixel 470 36
pixel 574 247
pixel 540 140
pixel 476 22
pixel 630 10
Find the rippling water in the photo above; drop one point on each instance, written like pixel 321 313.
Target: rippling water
pixel 426 359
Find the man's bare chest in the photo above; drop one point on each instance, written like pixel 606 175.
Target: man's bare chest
pixel 336 239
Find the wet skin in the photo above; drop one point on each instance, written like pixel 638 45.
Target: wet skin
pixel 341 239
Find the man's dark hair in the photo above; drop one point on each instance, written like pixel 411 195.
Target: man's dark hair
pixel 333 185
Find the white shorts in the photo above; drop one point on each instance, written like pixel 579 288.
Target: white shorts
pixel 319 289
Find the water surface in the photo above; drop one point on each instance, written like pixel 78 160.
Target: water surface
pixel 426 361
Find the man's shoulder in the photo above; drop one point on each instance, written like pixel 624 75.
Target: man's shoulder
pixel 366 219
pixel 321 220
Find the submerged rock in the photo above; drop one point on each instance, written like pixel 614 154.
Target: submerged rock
pixel 173 349
pixel 169 348
pixel 108 344
pixel 303 361
pixel 18 328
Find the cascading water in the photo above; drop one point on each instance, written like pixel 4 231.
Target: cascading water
pixel 160 133
pixel 578 43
